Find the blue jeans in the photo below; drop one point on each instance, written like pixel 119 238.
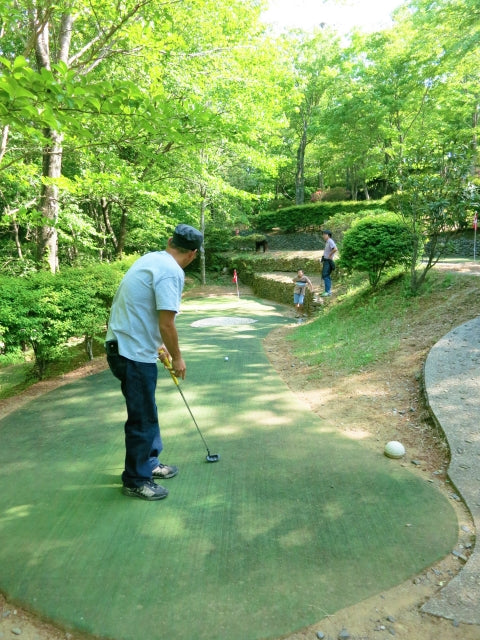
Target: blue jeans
pixel 326 271
pixel 143 443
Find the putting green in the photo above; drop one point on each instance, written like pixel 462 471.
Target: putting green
pixel 293 523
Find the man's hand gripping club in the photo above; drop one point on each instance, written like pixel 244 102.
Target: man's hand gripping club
pixel 167 362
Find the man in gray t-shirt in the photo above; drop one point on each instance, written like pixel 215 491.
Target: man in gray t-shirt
pixel 328 265
pixel 142 320
pixel 153 284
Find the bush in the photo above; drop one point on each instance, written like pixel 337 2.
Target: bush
pixel 247 264
pixel 341 222
pixel 31 314
pixel 45 310
pixel 336 194
pixel 375 244
pixel 312 216
pixel 247 243
pixel 217 239
pixel 87 296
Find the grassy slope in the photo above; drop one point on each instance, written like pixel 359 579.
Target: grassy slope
pixel 362 328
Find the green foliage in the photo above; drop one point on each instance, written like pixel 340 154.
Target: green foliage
pixel 435 199
pixel 217 239
pixel 31 314
pixel 376 244
pixel 208 111
pixel 131 129
pixel 341 222
pixel 87 296
pixel 311 216
pixel 44 311
pixel 240 243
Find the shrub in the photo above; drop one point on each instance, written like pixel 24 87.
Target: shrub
pixel 87 296
pixel 311 216
pixel 375 244
pixel 247 264
pixel 44 310
pixel 32 315
pixel 246 243
pixel 336 194
pixel 341 222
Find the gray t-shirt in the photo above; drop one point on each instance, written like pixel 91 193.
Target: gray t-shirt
pixel 329 250
pixel 153 283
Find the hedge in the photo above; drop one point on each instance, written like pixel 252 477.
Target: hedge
pixel 247 242
pixel 280 289
pixel 313 215
pixel 247 265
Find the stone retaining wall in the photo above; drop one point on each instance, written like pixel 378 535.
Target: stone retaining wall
pixel 295 242
pixel 461 246
pixel 278 286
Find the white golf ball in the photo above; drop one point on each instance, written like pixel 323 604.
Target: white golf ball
pixel 394 449
pixel 226 357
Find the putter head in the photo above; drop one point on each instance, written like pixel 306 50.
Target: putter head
pixel 212 457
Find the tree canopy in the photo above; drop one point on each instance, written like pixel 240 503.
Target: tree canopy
pixel 119 119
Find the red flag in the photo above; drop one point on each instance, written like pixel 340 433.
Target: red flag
pixel 235 279
pixel 475 221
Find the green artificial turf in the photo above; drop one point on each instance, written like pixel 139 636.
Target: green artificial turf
pixel 293 523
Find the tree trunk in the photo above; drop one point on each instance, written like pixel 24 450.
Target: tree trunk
pixel 108 224
pixel 352 182
pixel 47 237
pixel 122 236
pixel 475 119
pixel 16 237
pixel 203 206
pixel 88 344
pixel 475 126
pixel 3 141
pixel 300 174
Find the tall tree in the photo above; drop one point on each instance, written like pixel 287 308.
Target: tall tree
pixel 141 86
pixel 64 43
pixel 315 62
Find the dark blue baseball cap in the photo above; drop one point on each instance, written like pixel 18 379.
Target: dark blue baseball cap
pixel 187 237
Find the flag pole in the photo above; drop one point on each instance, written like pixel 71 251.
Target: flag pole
pixel 235 280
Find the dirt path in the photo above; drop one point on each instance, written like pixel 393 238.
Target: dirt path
pixel 368 402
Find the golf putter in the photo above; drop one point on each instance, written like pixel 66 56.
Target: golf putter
pixel 167 363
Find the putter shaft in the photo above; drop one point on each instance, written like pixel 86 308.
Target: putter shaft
pixel 168 365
